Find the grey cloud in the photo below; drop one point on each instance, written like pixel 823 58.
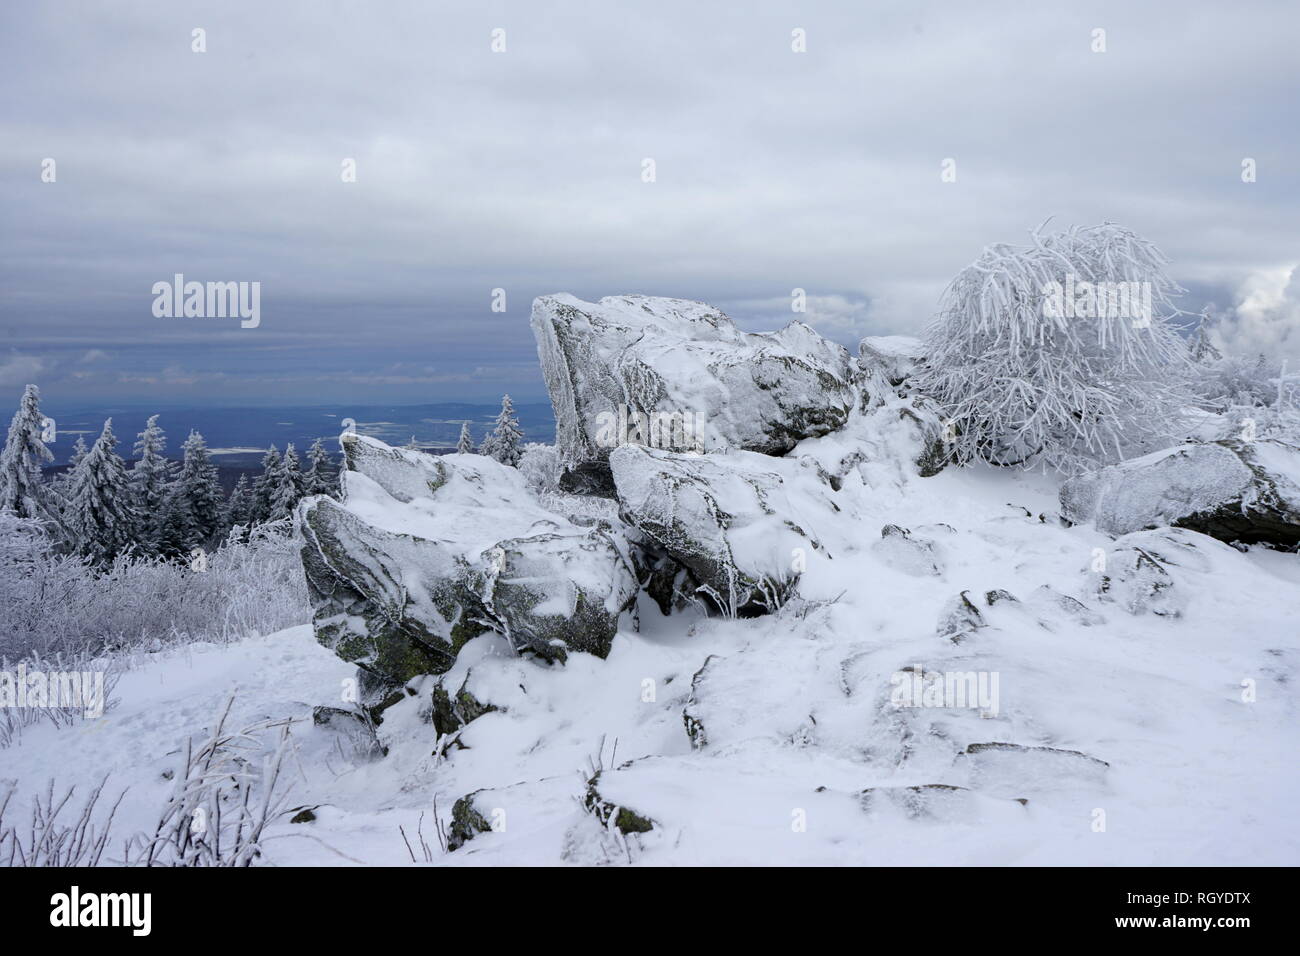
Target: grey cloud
pixel 521 170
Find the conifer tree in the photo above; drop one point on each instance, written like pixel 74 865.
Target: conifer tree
pixel 61 485
pixel 319 478
pixel 465 446
pixel 101 517
pixel 175 530
pixel 150 476
pixel 1202 349
pixel 238 504
pixel 264 485
pixel 22 489
pixel 503 443
pixel 198 487
pixel 287 485
pixel 79 450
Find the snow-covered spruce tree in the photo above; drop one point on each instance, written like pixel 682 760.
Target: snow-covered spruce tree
pixel 286 485
pixel 198 487
pixel 61 486
pixel 79 451
pixel 238 504
pixel 101 517
pixel 176 534
pixel 22 490
pixel 1202 350
pixel 319 479
pixel 264 485
pixel 150 476
pixel 465 444
pixel 1059 354
pixel 503 443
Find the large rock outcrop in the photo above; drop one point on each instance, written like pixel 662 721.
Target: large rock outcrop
pixel 1231 490
pixel 425 553
pixel 742 524
pixel 682 375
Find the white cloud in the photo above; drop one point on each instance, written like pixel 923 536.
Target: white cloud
pixel 20 369
pixel 1266 317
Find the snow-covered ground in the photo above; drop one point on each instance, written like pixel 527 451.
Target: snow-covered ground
pixel 793 714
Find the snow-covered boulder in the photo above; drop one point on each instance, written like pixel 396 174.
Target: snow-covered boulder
pixel 1159 571
pixel 942 803
pixel 427 552
pixel 896 357
pixel 678 375
pixel 915 556
pixel 740 523
pixel 959 618
pixel 1231 490
pixel 1006 770
pixel 394 604
pixel 888 441
pixel 1135 575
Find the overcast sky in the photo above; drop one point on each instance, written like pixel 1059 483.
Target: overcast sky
pixel 523 170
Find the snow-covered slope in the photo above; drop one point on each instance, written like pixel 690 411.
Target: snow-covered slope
pixel 803 757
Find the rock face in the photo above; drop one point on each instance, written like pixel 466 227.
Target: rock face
pixel 728 519
pixel 686 375
pixel 426 553
pixel 1231 490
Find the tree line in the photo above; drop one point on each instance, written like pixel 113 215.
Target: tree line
pixel 163 507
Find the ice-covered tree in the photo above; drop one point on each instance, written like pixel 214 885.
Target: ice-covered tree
pixel 79 451
pixel 264 485
pixel 504 442
pixel 465 445
pixel 319 478
pixel 176 536
pixel 1243 381
pixel 22 489
pixel 1060 353
pixel 286 485
pixel 238 504
pixel 61 486
pixel 101 517
pixel 150 475
pixel 1203 351
pixel 198 490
